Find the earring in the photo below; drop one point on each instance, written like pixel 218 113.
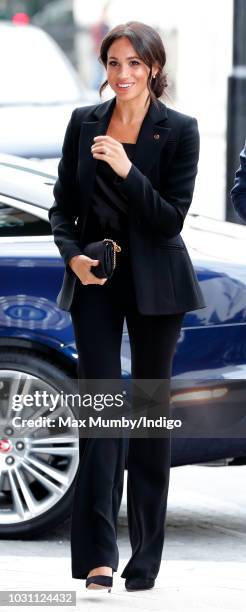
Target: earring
pixel 154 76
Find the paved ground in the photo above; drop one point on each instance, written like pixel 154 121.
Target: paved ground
pixel 204 556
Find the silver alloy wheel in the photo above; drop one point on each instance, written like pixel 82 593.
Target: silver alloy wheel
pixel 37 466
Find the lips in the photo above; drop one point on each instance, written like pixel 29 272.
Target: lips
pixel 124 85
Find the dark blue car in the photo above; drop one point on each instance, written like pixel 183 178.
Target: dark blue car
pixel 37 352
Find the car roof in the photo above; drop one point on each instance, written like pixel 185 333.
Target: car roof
pixel 23 30
pixel 27 181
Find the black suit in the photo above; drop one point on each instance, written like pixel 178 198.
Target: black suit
pixel 152 289
pixel 159 188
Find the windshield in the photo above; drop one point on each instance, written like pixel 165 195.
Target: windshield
pixel 33 70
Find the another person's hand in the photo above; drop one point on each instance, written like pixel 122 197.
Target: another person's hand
pixel 81 266
pixel 111 151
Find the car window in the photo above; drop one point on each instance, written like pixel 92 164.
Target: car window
pixel 17 222
pixel 34 69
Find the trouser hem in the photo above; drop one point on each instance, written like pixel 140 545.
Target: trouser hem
pixel 83 575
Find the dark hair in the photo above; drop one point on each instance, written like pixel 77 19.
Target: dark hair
pixel 149 46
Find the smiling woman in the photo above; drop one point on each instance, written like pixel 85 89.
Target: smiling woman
pixel 141 66
pixel 121 178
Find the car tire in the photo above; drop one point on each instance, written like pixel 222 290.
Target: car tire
pixel 33 363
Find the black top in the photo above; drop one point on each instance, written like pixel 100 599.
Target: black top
pixel 108 213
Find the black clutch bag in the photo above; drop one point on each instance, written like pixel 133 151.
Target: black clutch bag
pixel 104 250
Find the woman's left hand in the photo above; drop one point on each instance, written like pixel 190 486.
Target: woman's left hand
pixel 111 151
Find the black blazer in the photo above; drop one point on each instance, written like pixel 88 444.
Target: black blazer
pixel 159 189
pixel 238 192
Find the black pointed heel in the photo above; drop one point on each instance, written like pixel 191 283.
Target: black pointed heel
pixel 101 581
pixel 139 584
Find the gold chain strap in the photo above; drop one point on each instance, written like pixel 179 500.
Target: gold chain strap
pixel 116 249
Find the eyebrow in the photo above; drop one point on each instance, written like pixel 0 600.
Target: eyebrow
pixel 133 57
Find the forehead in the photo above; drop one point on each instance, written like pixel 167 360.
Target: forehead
pixel 122 47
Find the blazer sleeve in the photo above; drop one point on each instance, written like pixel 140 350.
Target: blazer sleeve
pixel 64 210
pixel 165 211
pixel 238 192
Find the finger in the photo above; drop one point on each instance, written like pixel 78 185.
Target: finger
pixel 102 156
pixel 111 146
pixel 103 148
pixel 105 137
pixel 99 281
pixel 94 262
pixel 88 260
pixel 105 143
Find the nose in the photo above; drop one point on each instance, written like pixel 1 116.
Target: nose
pixel 123 73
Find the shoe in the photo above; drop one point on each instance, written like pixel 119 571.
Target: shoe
pixel 139 584
pixel 101 581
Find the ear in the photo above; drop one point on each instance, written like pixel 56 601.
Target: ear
pixel 155 69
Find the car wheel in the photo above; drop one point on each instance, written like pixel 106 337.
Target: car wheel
pixel 38 466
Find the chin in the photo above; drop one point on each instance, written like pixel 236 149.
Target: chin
pixel 130 95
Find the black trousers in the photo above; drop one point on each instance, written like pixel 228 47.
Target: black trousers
pixel 98 314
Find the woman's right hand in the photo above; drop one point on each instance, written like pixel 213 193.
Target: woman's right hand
pixel 81 265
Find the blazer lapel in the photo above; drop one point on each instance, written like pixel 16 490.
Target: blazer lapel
pixel 87 163
pixel 151 138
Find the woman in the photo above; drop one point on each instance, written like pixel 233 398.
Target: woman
pixel 127 172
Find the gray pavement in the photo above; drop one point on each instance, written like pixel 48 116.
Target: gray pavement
pixel 204 555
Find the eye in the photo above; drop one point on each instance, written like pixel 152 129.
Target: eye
pixel 113 62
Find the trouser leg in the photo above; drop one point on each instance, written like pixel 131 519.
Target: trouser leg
pixel 98 324
pixel 153 340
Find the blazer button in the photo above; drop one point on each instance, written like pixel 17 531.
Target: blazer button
pixel 156 136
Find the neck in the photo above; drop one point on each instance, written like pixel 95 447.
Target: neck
pixel 131 111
